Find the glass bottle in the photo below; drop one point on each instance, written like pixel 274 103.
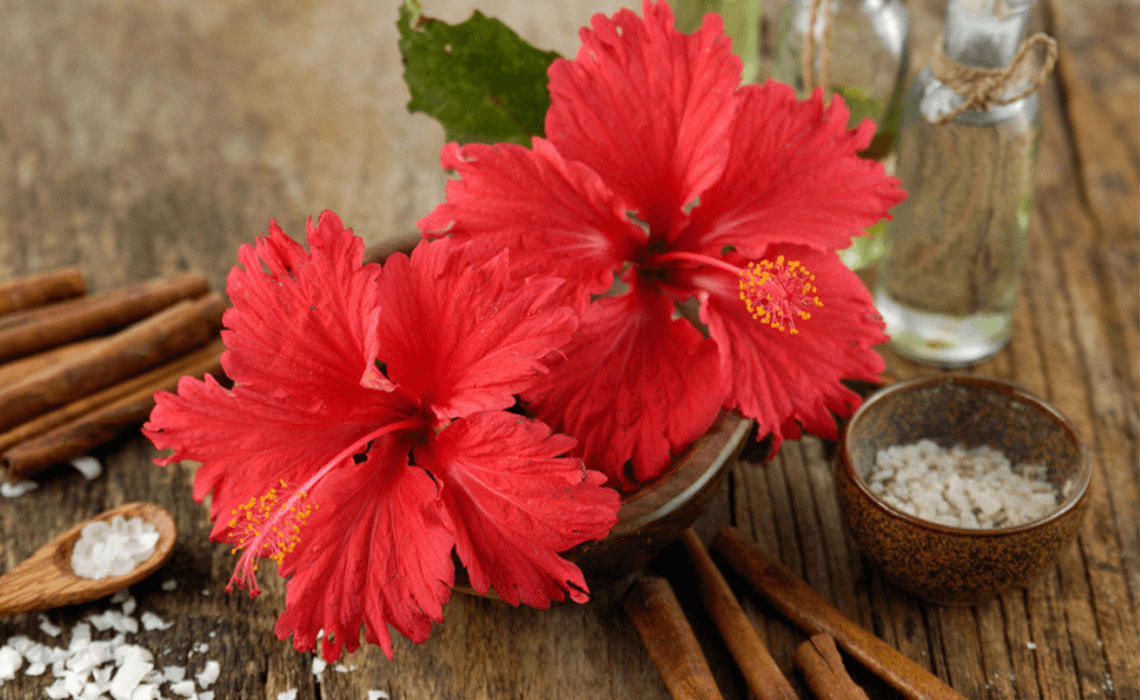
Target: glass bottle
pixel 866 62
pixel 948 282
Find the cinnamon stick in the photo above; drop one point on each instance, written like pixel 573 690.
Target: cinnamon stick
pixel 44 288
pixel 107 421
pixel 654 609
pixel 156 377
pixel 169 333
pixel 26 366
pixel 761 673
pixel 26 332
pixel 812 613
pixel 822 667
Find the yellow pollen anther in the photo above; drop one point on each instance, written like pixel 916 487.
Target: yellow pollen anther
pixel 247 525
pixel 778 292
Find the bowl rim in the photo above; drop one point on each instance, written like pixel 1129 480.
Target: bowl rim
pixel 1073 500
pixel 722 442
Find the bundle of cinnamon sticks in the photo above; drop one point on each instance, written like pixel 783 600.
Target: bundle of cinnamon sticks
pixel 77 369
pixel 675 651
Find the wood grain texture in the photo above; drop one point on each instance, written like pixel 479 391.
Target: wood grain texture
pixel 155 138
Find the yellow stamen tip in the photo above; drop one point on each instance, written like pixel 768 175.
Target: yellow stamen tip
pixel 778 292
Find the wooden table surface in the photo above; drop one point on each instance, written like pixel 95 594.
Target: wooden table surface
pixel 143 138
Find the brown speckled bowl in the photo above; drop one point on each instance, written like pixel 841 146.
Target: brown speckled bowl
pixel 658 513
pixel 951 565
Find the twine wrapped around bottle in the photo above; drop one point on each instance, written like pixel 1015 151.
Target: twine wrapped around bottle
pixel 984 87
pixel 811 79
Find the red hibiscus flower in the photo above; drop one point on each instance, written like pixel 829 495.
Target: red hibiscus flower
pixel 661 169
pixel 365 438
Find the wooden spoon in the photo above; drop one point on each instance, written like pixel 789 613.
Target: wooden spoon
pixel 46 580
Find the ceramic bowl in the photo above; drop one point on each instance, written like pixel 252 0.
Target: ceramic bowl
pixel 954 565
pixel 658 513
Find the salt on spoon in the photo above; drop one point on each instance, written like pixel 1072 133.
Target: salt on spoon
pixel 46 579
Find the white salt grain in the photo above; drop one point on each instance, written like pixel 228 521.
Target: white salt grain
pixel 89 467
pixel 48 628
pixel 169 585
pixel 209 674
pixel 17 489
pixel 113 549
pixel 174 674
pixel 959 487
pixel 150 621
pixel 10 662
pixel 290 694
pixel 134 662
pixel 378 695
pixel 184 688
pixel 319 665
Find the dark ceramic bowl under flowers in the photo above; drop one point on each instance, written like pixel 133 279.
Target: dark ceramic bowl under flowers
pixel 958 565
pixel 658 513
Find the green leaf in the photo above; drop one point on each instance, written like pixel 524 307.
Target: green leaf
pixel 478 78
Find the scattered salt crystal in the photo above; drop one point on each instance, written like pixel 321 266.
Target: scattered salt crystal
pixel 340 668
pixel 88 466
pixel 102 677
pixel 378 695
pixel 10 662
pixel 145 691
pixel 113 549
pixel 183 688
pixel 206 695
pixel 58 690
pixel 134 662
pixel 319 665
pixel 201 647
pixel 169 585
pixel 48 628
pixel 174 674
pixel 120 596
pixel 290 694
pixel 1030 645
pixel 209 674
pixel 129 605
pixel 150 621
pixel 17 489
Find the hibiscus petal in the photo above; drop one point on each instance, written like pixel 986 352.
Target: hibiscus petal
pixel 648 108
pixel 247 441
pixel 792 176
pixel 516 504
pixel 376 552
pixel 297 327
pixel 635 384
pixel 779 378
pixel 465 338
pixel 543 207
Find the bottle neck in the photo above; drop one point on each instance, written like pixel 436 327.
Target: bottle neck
pixel 985 33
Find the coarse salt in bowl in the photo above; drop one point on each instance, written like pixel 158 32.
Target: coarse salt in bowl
pixel 961 487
